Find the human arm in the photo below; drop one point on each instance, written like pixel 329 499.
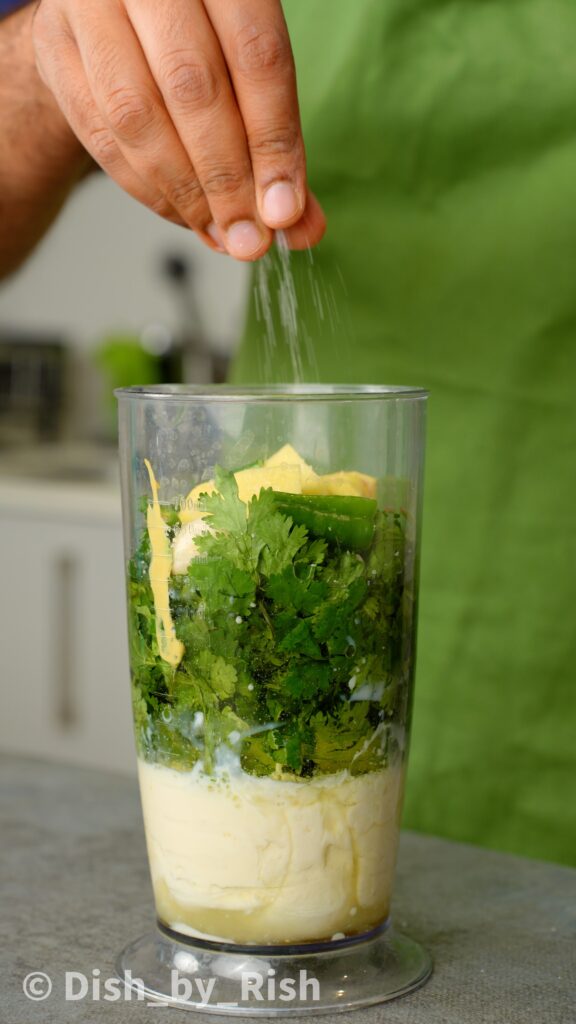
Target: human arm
pixel 40 158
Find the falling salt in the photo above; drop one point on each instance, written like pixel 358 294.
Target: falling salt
pixel 263 302
pixel 291 316
pixel 275 292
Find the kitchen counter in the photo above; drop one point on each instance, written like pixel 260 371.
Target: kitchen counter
pixel 75 890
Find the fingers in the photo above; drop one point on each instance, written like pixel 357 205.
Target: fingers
pixel 187 63
pixel 63 72
pixel 191 108
pixel 255 42
pixel 311 227
pixel 130 105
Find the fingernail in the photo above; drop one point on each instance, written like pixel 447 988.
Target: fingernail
pixel 280 203
pixel 216 236
pixel 243 238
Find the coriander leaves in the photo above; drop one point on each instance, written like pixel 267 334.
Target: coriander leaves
pixel 283 633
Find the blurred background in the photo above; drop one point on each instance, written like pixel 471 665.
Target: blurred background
pixel 113 296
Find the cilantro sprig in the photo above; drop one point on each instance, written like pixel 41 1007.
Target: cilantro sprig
pixel 294 643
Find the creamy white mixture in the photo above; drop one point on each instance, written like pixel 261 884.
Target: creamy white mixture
pixel 261 860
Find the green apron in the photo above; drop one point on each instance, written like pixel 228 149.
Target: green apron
pixel 442 144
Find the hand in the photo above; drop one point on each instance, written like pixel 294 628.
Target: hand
pixel 190 106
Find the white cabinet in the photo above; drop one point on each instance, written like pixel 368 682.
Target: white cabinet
pixel 64 683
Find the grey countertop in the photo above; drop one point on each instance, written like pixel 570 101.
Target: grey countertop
pixel 75 890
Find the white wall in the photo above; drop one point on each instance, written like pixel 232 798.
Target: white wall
pixel 97 272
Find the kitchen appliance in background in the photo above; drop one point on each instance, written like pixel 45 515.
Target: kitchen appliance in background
pixel 33 369
pixel 162 352
pixel 190 359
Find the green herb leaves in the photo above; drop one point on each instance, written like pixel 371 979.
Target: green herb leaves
pixel 287 635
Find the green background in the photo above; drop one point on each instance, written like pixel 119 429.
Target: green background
pixel 442 143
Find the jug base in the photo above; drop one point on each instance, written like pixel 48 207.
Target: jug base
pixel 163 968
